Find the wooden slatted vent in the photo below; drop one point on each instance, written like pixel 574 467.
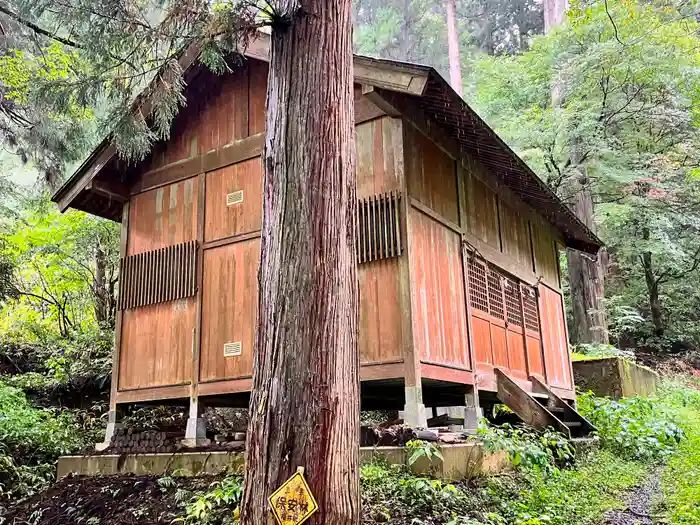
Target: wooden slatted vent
pixel 532 317
pixel 158 276
pixel 495 282
pixel 478 290
pixel 378 227
pixel 511 291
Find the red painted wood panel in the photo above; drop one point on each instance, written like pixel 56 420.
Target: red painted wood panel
pixel 431 175
pixel 218 111
pixel 440 317
pixel 256 95
pixel 534 355
pixel 222 220
pixel 156 341
pixel 482 212
pixel 499 343
pixel 156 345
pixel 481 337
pixel 557 361
pixel 229 306
pixel 163 217
pixel 382 307
pixel 515 236
pixel 516 353
pixel 379 159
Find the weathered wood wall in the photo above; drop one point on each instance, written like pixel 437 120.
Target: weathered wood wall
pixel 461 223
pixel 181 193
pixel 384 297
pixel 440 332
pixel 205 184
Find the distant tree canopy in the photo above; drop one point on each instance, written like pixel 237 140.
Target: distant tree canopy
pixel 629 103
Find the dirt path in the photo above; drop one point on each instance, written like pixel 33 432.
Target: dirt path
pixel 638 503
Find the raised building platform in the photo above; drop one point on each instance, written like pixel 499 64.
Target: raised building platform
pixel 461 461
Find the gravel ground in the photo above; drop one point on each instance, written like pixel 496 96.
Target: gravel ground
pixel 638 504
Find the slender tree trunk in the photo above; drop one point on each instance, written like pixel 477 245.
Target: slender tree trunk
pixel 586 273
pixel 103 298
pixel 453 46
pixel 554 13
pixel 652 289
pixel 304 408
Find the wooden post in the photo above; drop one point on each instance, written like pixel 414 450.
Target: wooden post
pixel 196 431
pixel 113 415
pixel 414 409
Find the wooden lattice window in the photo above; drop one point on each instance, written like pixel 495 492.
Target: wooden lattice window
pixel 378 227
pixel 495 283
pixel 158 276
pixel 511 290
pixel 531 314
pixel 478 290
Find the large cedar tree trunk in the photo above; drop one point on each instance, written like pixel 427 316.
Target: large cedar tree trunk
pixel 586 273
pixel 453 46
pixel 304 408
pixel 586 276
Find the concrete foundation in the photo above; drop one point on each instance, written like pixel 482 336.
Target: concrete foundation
pixel 414 414
pixel 461 461
pixel 615 377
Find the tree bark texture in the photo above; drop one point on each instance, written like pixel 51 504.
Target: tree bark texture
pixel 304 407
pixel 453 46
pixel 586 280
pixel 554 13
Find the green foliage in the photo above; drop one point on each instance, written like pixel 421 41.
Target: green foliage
pixel 216 506
pixel 392 494
pixel 542 452
pixel 625 128
pixel 30 441
pixel 680 504
pixel 579 495
pixel 634 427
pixel 422 449
pixel 64 272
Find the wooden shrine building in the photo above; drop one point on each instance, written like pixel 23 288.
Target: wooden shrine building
pixel 458 245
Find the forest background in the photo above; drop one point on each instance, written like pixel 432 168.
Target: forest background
pixel 623 127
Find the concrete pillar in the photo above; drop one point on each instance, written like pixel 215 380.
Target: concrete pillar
pixel 414 410
pixel 472 411
pixel 196 431
pixel 113 424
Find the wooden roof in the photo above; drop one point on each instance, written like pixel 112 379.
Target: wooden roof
pixel 417 93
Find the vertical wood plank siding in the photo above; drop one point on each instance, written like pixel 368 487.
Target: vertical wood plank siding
pixel 383 302
pixel 557 361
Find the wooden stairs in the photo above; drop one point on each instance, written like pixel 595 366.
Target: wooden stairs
pixel 543 408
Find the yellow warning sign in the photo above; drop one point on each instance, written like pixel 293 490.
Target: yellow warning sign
pixel 293 502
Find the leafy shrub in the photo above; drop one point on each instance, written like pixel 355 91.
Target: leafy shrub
pixel 393 494
pixel 30 441
pixel 420 449
pixel 634 427
pixel 217 506
pixel 527 449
